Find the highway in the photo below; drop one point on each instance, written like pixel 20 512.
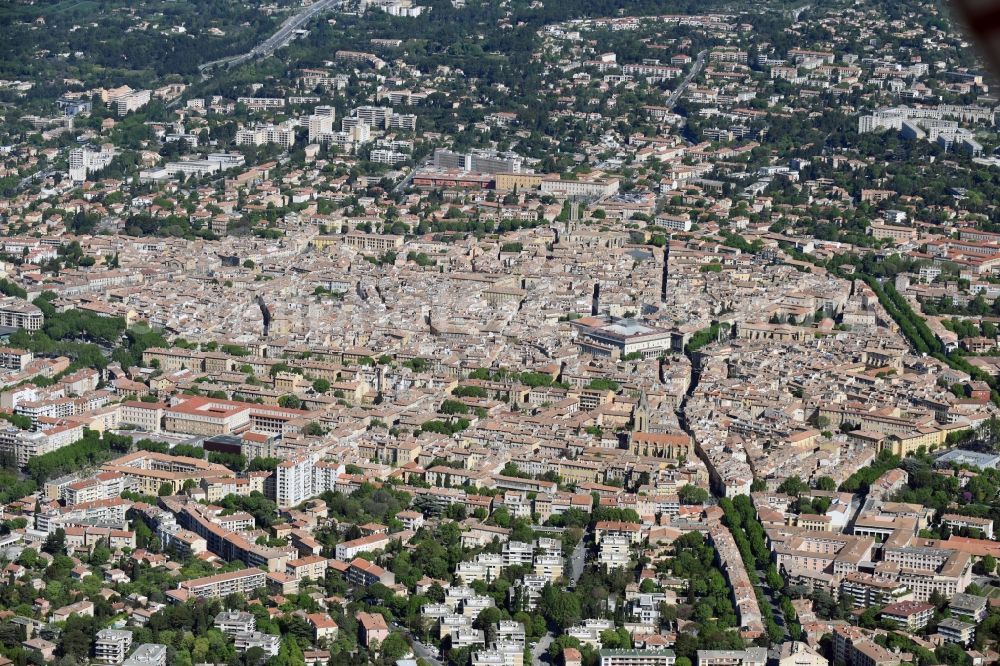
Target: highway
pixel 798 12
pixel 699 64
pixel 279 39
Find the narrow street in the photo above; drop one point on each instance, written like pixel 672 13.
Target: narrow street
pixel 682 420
pixel 419 649
pixel 577 561
pixel 779 617
pixel 541 648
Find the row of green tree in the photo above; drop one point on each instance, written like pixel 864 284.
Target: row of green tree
pixel 741 519
pixel 91 450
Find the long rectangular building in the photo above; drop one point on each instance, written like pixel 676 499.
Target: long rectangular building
pixel 231 545
pixel 151 470
pixel 638 658
pixel 213 587
pixel 208 416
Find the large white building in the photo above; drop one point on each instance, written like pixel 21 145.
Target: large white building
pixel 235 622
pixel 283 135
pixel 18 313
pixel 261 103
pixel 112 645
pixel 269 643
pixel 638 658
pixel 374 116
pixel 589 189
pixel 148 654
pixel 23 445
pixel 403 121
pixel 384 156
pixel 321 122
pixel 294 480
pixel 101 486
pixel 615 552
pixel 353 135
pixel 132 101
pixel 84 161
pixel 674 222
pixel 894 117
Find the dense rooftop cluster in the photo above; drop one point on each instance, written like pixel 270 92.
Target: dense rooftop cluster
pixel 497 333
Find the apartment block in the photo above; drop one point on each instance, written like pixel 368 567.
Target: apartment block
pixel 294 480
pixel 269 643
pixel 18 313
pixel 132 101
pixel 148 654
pixel 867 590
pixel 83 162
pixel 638 658
pixel 111 646
pixel 320 122
pixel 608 528
pixel 311 566
pixel 362 572
pixel 615 552
pixel 348 550
pixel 908 615
pixel 282 135
pixel 956 631
pixel 958 522
pixel 748 657
pixel 101 486
pixel 245 581
pixel 235 622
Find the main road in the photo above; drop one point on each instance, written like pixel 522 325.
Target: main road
pixel 576 561
pixel 403 184
pixel 699 64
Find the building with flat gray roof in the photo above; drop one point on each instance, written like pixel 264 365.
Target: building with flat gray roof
pixel 148 654
pixel 754 656
pixel 638 658
pixel 112 645
pixel 627 336
pixel 969 458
